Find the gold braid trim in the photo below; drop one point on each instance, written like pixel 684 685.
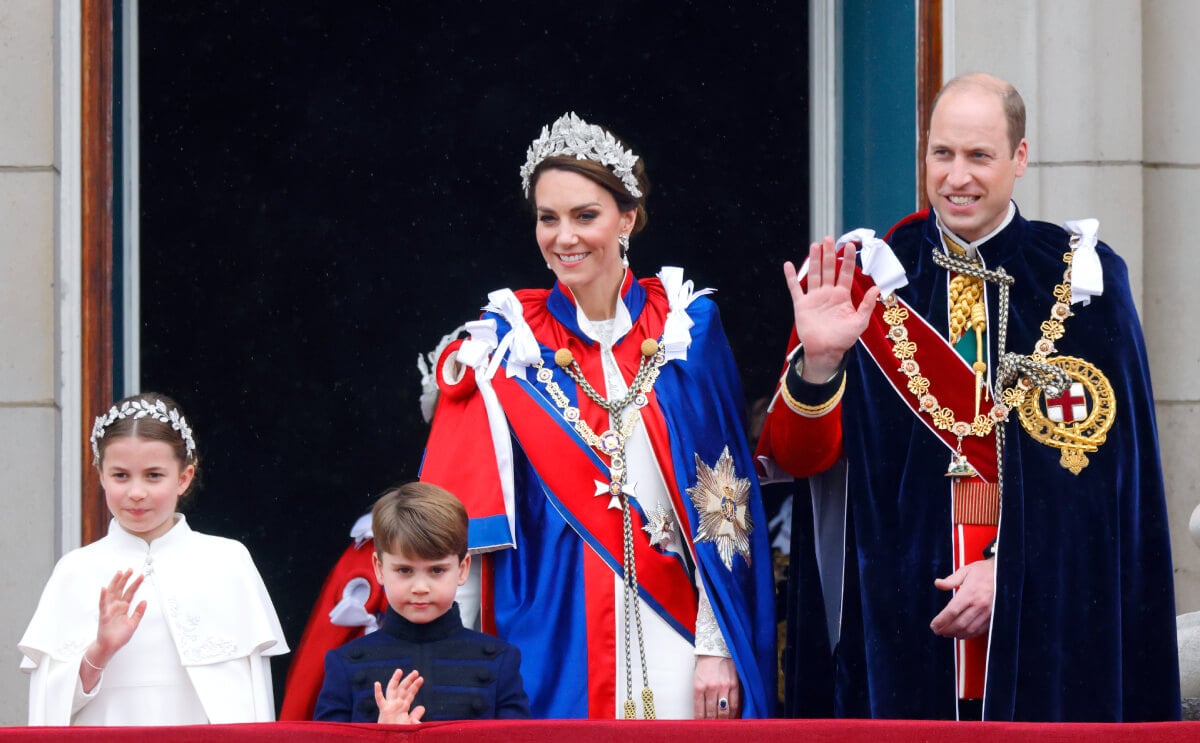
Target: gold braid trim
pixel 813 411
pixel 965 292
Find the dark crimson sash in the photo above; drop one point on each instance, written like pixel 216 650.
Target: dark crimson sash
pixel 569 468
pixel 974 500
pixel 952 380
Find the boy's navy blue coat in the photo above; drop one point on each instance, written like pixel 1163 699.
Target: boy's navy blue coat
pixel 468 675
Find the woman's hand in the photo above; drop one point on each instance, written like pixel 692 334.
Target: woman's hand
pixel 116 626
pixel 717 693
pixel 827 322
pixel 395 701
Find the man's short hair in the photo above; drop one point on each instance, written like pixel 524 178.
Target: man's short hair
pixel 1010 100
pixel 421 521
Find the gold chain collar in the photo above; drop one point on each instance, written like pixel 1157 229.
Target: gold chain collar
pixel 612 442
pixel 945 419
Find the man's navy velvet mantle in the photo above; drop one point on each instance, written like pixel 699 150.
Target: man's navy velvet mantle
pixel 1084 617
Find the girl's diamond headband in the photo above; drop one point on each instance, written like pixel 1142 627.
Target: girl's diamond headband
pixel 143 409
pixel 573 136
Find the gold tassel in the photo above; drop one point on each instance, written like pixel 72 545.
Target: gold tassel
pixel 630 709
pixel 979 322
pixel 648 703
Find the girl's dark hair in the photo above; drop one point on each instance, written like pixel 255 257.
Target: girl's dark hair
pixel 150 429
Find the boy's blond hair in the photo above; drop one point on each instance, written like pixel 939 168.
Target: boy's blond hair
pixel 421 521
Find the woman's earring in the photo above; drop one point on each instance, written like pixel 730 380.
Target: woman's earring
pixel 623 241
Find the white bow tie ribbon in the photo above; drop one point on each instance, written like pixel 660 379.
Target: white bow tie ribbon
pixel 351 611
pixel 677 336
pixel 519 343
pixel 362 530
pixel 476 350
pixel 878 260
pixel 1087 276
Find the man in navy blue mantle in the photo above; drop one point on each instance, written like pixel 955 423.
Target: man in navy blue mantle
pixel 972 407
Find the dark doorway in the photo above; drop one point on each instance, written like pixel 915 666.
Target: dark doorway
pixel 328 188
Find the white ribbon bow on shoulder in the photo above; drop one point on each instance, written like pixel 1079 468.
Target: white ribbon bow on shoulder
pixel 1087 276
pixel 518 342
pixel 476 350
pixel 677 336
pixel 878 260
pixel 351 610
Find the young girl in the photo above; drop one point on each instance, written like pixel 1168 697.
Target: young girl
pixel 183 628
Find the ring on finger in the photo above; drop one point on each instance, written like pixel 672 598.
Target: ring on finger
pixel 723 704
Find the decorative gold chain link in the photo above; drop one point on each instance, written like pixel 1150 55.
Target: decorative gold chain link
pixel 612 442
pixel 905 349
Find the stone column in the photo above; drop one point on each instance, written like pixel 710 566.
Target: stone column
pixel 1114 133
pixel 29 416
pixel 1078 65
pixel 1172 307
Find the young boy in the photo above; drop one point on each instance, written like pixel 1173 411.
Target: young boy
pixel 453 673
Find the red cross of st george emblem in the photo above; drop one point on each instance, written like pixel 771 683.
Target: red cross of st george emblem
pixel 1069 407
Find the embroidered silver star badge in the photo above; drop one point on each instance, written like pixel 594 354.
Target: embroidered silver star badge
pixel 722 500
pixel 660 526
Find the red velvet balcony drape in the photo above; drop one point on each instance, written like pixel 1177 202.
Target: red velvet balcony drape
pixel 661 731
